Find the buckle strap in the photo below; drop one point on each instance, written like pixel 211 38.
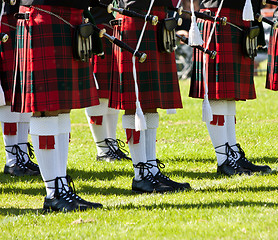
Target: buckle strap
pixel 115 22
pixel 22 16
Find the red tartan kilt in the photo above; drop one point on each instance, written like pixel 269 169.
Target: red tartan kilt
pixel 7 56
pixel 102 66
pixel 156 77
pixel 230 74
pixel 272 64
pixel 51 79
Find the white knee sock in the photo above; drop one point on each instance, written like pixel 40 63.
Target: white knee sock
pixel 152 120
pixel 64 128
pixel 10 132
pixel 111 122
pixel 44 133
pixel 137 147
pixel 97 120
pixel 23 131
pixel 217 128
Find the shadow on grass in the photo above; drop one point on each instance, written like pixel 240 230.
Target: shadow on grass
pixel 212 205
pixel 164 206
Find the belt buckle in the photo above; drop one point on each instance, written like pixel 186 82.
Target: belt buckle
pixel 209 13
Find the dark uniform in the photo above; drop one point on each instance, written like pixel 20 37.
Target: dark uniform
pixel 158 87
pixel 272 64
pixel 51 83
pixel 15 126
pixel 230 77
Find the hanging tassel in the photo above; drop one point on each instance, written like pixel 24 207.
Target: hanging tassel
pixel 206 108
pixel 247 14
pixel 171 111
pixel 2 97
pixel 195 37
pixel 140 122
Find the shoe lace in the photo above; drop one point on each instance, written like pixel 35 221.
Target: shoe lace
pixel 72 191
pixel 146 166
pixel 15 150
pixel 115 146
pixel 61 192
pixel 159 164
pixel 231 155
pixel 241 153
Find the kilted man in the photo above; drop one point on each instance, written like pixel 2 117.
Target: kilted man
pixel 158 87
pixel 272 65
pixel 229 79
pixel 15 126
pixel 102 119
pixel 51 83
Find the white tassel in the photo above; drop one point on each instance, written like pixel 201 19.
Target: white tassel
pixel 207 113
pixel 171 111
pixel 247 14
pixel 2 97
pixel 195 37
pixel 140 122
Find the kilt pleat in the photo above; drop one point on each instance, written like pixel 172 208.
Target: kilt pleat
pixel 272 64
pixel 156 77
pixel 50 79
pixel 230 74
pixel 102 66
pixel 7 55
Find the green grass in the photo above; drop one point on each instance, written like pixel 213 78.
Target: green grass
pixel 218 207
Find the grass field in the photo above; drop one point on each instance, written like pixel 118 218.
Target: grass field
pixel 218 207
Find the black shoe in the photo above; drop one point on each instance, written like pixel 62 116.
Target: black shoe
pixel 77 199
pixel 230 168
pixel 167 181
pixel 32 166
pixel 19 170
pixel 244 163
pixel 150 185
pixel 61 204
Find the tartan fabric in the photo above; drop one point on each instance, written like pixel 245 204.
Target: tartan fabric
pixel 7 56
pixel 156 77
pixel 102 66
pixel 50 79
pixel 272 64
pixel 230 74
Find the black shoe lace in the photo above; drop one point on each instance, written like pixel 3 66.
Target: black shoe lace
pixel 61 192
pixel 115 146
pixel 19 153
pixel 15 150
pixel 71 187
pixel 231 155
pixel 146 166
pixel 159 165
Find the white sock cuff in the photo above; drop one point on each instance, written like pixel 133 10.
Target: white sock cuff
pixel 44 126
pixel 25 117
pixel 111 111
pixel 98 110
pixel 128 121
pixel 6 115
pixel 223 107
pixel 152 120
pixel 64 125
